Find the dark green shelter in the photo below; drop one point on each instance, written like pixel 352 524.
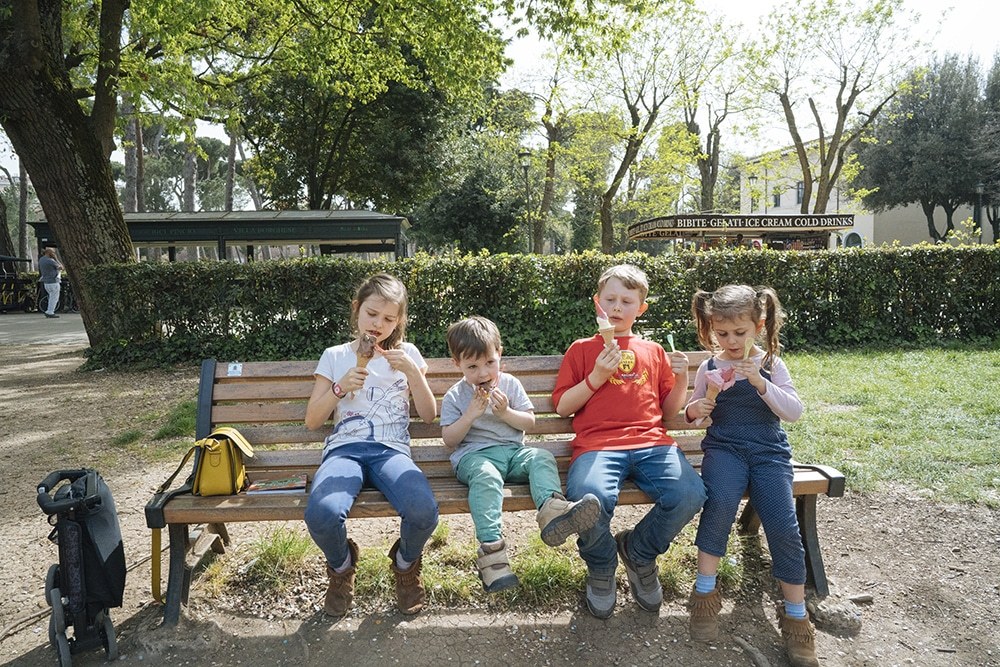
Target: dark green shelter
pixel 333 231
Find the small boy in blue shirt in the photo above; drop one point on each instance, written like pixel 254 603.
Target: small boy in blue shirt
pixel 483 419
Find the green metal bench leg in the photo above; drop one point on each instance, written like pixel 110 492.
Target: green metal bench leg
pixel 179 576
pixel 805 508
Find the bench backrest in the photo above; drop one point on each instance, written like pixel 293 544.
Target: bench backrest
pixel 267 402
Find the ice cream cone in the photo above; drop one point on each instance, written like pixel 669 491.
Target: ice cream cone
pixel 711 392
pixel 608 334
pixel 366 349
pixel 747 346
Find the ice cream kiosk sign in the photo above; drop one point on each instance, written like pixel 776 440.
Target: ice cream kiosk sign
pixel 806 231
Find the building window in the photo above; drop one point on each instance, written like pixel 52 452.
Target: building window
pixel 800 190
pixel 776 199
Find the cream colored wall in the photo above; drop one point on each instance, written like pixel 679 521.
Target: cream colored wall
pixel 908 224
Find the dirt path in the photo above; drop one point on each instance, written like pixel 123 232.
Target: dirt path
pixel 932 571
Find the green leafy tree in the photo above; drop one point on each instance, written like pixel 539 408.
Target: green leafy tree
pixel 64 63
pixel 481 193
pixel 325 150
pixel 631 65
pixel 924 147
pixel 990 147
pixel 822 62
pixel 714 76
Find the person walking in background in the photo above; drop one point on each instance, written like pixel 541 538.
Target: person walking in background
pixel 619 393
pixel 747 391
pixel 48 269
pixel 483 419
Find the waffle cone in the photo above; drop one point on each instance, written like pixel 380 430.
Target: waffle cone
pixel 608 334
pixel 711 392
pixel 363 361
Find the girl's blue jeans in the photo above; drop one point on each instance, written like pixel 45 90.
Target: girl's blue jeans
pixel 339 480
pixel 663 472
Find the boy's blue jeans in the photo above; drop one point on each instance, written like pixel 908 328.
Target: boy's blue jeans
pixel 485 471
pixel 339 480
pixel 663 472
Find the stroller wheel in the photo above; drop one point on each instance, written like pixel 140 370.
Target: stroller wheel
pixel 107 631
pixel 51 581
pixel 57 624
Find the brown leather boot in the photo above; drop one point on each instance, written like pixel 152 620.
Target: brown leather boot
pixel 800 639
pixel 340 592
pixel 409 588
pixel 705 608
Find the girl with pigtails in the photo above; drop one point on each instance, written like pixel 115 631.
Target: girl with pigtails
pixel 746 391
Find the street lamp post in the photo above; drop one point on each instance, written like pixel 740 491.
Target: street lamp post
pixel 765 190
pixel 977 212
pixel 752 179
pixel 524 158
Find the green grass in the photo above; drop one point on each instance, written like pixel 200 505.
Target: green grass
pixel 158 436
pixel 926 419
pixel 180 422
pixel 278 558
pixel 127 437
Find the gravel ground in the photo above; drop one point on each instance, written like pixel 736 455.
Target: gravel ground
pixel 913 582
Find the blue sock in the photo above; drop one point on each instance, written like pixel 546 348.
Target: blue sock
pixel 705 583
pixel 795 609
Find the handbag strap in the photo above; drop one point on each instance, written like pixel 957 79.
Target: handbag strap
pixel 166 485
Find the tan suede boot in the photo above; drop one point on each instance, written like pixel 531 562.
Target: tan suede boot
pixel 705 608
pixel 340 592
pixel 800 639
pixel 409 588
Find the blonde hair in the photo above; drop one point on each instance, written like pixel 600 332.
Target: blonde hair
pixel 731 302
pixel 389 288
pixel 632 277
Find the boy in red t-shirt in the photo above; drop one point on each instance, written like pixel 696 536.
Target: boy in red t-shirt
pixel 618 394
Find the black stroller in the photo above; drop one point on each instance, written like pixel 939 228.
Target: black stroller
pixel 90 575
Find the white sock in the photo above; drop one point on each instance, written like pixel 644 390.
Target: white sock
pixel 402 564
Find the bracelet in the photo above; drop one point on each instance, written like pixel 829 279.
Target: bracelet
pixel 586 380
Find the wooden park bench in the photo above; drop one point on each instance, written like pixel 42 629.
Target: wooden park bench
pixel 266 401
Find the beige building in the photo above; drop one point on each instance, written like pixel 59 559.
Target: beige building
pixel 772 185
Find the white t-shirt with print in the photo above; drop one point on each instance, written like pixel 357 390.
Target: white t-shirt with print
pixel 379 411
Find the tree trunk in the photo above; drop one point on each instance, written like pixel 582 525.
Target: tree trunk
pixel 130 195
pixel 22 211
pixel 66 160
pixel 190 172
pixel 6 242
pixel 928 208
pixel 231 172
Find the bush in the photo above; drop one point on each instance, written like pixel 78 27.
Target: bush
pixel 293 309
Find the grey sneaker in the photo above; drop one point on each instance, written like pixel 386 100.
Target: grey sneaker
pixel 644 580
pixel 601 594
pixel 558 518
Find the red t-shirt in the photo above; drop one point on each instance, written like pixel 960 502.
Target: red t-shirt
pixel 627 410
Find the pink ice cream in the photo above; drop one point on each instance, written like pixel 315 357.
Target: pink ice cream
pixel 719 380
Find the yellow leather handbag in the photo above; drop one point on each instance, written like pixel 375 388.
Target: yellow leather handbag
pixel 218 463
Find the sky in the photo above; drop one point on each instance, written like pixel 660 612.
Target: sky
pixel 969 27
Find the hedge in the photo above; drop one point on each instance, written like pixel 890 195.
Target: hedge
pixel 293 309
